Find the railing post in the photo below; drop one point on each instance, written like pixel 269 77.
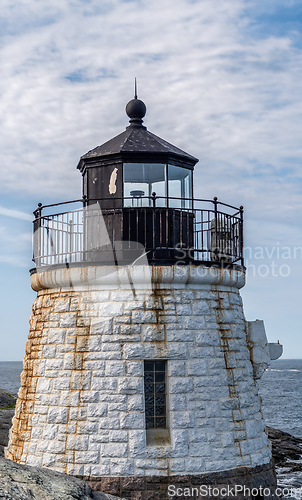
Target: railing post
pixel 154 199
pixel 37 236
pixel 241 235
pixel 216 226
pixel 84 235
pixel 153 224
pixel 70 239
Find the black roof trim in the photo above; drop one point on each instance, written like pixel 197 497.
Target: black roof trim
pixel 136 140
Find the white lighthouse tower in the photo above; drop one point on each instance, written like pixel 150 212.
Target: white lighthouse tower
pixel 138 373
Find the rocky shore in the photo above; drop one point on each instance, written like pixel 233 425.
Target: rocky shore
pixel 286 449
pixel 24 482
pixel 7 405
pixel 21 482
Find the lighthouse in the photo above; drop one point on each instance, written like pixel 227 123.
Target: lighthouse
pixel 139 374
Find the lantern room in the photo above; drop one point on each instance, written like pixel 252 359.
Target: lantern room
pixel 135 166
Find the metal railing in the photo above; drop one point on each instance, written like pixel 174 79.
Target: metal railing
pixel 210 232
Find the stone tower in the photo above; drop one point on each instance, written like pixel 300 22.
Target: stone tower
pixel 138 373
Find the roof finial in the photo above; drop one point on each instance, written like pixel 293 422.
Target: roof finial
pixel 136 109
pixel 135 89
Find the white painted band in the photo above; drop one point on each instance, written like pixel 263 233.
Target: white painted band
pixel 145 277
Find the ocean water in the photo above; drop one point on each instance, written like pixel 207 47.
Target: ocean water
pixel 280 388
pixel 10 375
pixel 281 391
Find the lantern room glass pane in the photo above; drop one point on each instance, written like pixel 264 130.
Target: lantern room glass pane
pixel 143 179
pixel 180 187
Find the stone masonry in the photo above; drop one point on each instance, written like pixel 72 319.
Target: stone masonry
pixel 81 404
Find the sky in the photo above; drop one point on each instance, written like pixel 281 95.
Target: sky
pixel 221 79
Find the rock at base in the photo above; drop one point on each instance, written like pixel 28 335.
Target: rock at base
pixel 5 424
pixel 7 400
pixel 22 482
pixel 7 411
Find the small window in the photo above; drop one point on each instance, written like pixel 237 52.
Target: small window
pixel 155 394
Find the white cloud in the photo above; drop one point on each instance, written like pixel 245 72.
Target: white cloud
pixel 210 87
pixel 15 214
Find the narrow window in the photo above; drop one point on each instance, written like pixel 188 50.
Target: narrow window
pixel 155 394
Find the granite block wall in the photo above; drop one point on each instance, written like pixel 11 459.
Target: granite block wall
pixel 81 404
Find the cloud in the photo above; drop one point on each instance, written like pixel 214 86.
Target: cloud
pixel 211 86
pixel 15 214
pixel 16 239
